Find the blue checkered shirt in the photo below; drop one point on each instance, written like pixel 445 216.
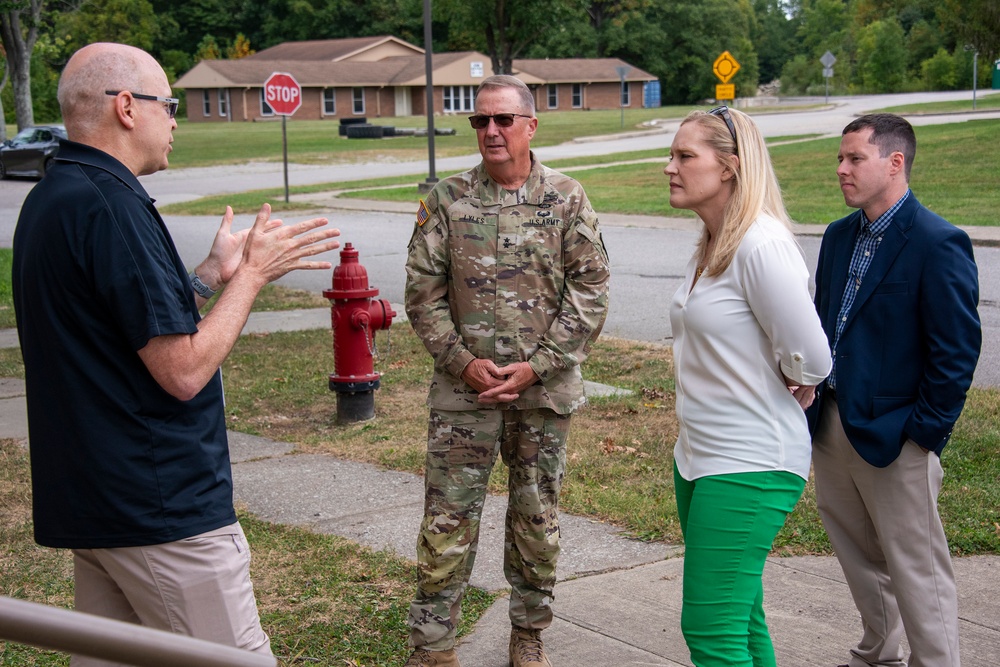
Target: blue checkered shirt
pixel 867 242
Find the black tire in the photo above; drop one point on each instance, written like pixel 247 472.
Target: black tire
pixel 364 131
pixel 3 171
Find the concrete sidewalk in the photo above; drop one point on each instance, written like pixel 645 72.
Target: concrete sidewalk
pixel 618 600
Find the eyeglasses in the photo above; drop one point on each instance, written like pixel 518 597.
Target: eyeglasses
pixel 481 122
pixel 723 111
pixel 170 102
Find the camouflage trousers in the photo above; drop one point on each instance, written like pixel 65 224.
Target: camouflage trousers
pixel 462 448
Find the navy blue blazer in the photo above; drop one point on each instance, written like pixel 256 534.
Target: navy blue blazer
pixel 912 338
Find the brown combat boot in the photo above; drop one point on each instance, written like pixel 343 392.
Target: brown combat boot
pixel 526 648
pixel 422 657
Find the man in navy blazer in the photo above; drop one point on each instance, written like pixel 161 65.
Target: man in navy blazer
pixel 897 291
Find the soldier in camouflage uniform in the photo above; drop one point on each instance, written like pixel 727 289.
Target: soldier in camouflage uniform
pixel 507 285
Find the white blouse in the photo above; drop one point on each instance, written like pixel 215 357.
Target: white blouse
pixel 735 334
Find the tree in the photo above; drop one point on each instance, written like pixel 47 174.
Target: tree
pixel 3 84
pixel 240 48
pixel 773 35
pixel 687 37
pixel 939 71
pixel 882 57
pixel 131 22
pixel 19 24
pixel 822 26
pixel 208 49
pixel 503 29
pixel 974 22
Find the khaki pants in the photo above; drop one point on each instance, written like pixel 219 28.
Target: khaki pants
pixel 199 586
pixel 884 526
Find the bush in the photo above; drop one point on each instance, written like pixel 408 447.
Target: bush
pixel 939 71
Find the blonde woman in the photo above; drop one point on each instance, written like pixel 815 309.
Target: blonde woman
pixel 748 351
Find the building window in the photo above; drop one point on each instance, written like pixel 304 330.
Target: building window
pixel 329 101
pixel 223 107
pixel 359 100
pixel 206 103
pixel 553 95
pixel 265 108
pixel 577 95
pixel 458 98
pixel 625 94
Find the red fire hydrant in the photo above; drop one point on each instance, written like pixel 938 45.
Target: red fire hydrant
pixel 355 316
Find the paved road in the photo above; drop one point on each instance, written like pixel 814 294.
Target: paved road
pixel 649 255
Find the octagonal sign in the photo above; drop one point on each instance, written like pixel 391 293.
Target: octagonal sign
pixel 283 93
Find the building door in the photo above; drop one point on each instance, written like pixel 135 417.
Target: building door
pixel 403 106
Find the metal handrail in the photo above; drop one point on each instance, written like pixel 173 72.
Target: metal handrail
pixel 75 632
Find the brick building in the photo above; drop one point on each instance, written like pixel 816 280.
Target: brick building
pixel 383 77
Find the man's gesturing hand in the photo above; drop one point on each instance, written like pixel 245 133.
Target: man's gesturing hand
pixel 273 249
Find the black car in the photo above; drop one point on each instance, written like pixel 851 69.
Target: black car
pixel 30 153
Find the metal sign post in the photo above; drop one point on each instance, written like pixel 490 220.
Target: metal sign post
pixel 284 95
pixel 975 71
pixel 827 60
pixel 622 71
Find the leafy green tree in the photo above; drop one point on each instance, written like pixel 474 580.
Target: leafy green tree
pixel 974 22
pixel 208 49
pixel 822 26
pixel 503 29
pixel 798 74
pixel 693 35
pixel 882 57
pixel 596 29
pixel 773 35
pixel 130 22
pixel 20 21
pixel 939 72
pixel 923 41
pixel 184 24
pixel 614 22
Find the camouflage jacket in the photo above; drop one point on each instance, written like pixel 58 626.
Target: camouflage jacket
pixel 511 277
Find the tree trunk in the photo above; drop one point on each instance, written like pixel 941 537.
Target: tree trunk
pixel 3 123
pixel 19 42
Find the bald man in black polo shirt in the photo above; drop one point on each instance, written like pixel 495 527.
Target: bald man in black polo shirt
pixel 129 457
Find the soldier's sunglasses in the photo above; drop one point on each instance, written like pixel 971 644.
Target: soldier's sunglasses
pixel 723 112
pixel 481 121
pixel 170 103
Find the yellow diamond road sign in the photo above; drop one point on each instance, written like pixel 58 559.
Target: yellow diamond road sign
pixel 725 66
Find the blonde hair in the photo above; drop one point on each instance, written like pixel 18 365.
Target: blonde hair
pixel 755 189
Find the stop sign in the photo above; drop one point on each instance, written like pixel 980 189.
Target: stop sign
pixel 283 93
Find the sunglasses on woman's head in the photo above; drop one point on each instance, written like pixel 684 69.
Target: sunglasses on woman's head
pixel 723 112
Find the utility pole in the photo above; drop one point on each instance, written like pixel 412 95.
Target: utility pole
pixel 428 185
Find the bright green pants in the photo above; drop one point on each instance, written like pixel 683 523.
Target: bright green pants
pixel 729 523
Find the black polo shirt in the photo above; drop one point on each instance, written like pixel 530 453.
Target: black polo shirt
pixel 116 461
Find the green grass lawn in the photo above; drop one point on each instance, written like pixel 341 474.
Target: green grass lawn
pixel 985 99
pixel 956 174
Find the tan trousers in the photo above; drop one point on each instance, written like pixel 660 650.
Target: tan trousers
pixel 199 586
pixel 884 526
